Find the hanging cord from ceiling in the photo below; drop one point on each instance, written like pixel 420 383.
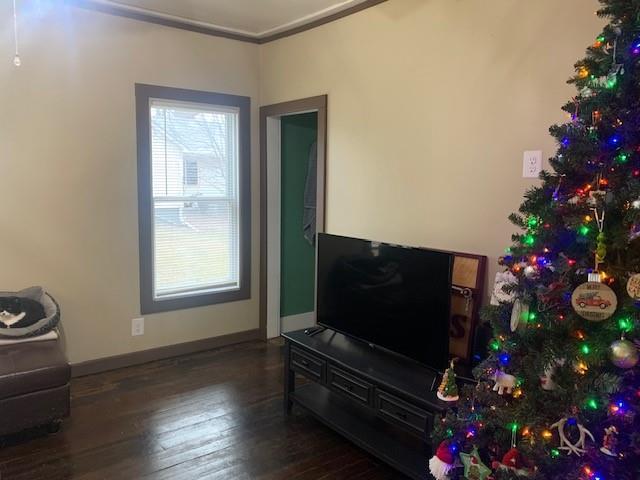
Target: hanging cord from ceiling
pixel 16 59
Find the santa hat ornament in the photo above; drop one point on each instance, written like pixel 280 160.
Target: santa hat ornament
pixel 512 461
pixel 442 462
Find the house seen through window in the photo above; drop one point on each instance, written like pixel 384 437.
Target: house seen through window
pixel 194 160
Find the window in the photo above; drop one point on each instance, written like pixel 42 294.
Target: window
pixel 193 192
pixel 190 171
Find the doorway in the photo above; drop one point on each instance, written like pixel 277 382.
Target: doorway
pixel 292 137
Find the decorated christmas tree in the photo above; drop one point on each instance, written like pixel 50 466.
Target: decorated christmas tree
pixel 558 396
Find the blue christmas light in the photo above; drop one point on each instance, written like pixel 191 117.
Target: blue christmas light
pixel 542 261
pixel 504 358
pixel 615 140
pixel 565 142
pixel 572 422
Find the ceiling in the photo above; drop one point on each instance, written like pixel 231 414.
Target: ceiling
pixel 253 18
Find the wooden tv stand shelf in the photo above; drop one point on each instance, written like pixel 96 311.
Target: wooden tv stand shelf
pixel 383 403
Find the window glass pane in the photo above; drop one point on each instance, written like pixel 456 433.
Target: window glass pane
pixel 195 203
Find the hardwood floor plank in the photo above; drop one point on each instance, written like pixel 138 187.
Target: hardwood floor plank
pixel 215 414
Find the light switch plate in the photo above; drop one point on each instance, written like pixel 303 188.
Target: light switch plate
pixel 532 164
pixel 137 327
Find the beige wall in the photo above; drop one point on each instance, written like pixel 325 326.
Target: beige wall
pixel 431 105
pixel 68 203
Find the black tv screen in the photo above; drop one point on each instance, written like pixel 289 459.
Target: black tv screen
pixel 390 296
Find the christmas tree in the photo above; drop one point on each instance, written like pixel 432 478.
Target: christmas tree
pixel 448 389
pixel 563 355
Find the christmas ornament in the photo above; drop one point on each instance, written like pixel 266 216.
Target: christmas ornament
pixel 448 390
pixel 611 79
pixel 565 444
pixel 551 296
pixel 503 279
pixel 530 271
pixel 556 192
pixel 519 313
pixel 623 354
pixel 442 462
pixel 596 196
pixel 586 92
pixel 503 382
pixel 633 286
pixel 594 301
pixel 513 462
pixel 610 441
pixel 546 380
pixel 601 246
pixel 474 469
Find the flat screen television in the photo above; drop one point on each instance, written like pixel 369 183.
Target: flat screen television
pixel 389 296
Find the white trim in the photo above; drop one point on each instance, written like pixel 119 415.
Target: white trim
pixel 310 18
pixel 273 226
pixel 298 322
pixel 119 5
pixel 275 324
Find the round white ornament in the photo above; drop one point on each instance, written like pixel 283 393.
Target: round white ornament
pixel 520 313
pixel 633 286
pixel 594 301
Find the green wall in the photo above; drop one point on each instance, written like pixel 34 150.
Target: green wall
pixel 297 282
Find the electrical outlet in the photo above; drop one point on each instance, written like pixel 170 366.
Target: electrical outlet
pixel 137 327
pixel 532 164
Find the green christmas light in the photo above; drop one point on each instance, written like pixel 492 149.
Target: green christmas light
pixel 532 222
pixel 449 432
pixel 529 240
pixel 514 427
pixel 601 38
pixel 532 316
pixel 555 453
pixel 612 82
pixel 585 348
pixel 622 158
pixel 625 324
pixel 584 230
pixel 592 404
pixel 494 345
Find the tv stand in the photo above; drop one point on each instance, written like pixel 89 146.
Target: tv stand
pixel 383 403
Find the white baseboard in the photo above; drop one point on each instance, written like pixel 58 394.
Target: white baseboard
pixel 297 322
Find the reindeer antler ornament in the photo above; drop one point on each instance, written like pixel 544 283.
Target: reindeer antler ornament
pixel 565 444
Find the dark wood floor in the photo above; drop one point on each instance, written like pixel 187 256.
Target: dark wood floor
pixel 215 415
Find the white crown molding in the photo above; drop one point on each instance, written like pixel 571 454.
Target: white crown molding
pixel 112 6
pixel 326 12
pixel 124 8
